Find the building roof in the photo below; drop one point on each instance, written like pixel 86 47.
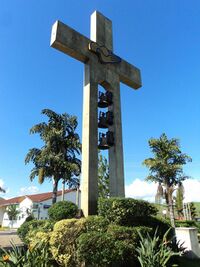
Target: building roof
pixel 11 201
pixel 35 198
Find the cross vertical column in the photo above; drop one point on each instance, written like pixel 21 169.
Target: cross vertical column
pixel 101 32
pixel 116 161
pixel 89 188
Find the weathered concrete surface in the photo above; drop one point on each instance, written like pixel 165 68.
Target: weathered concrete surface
pixel 189 237
pixel 74 44
pixel 109 76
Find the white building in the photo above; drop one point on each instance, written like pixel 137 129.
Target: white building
pixel 37 204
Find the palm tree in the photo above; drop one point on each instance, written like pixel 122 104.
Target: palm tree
pixel 179 200
pixel 57 159
pixel 166 168
pixel 12 212
pixel 2 190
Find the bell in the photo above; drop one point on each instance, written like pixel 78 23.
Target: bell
pixel 110 138
pixel 106 140
pixel 109 118
pixel 103 142
pixel 105 99
pixel 105 119
pixel 102 120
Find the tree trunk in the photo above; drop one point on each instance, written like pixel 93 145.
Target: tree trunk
pixel 55 189
pixel 171 208
pixel 63 190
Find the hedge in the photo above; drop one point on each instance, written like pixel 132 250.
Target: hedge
pixel 26 229
pixel 124 211
pixel 116 246
pixel 62 210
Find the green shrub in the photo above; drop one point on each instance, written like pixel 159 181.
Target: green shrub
pixel 116 246
pixel 126 241
pixel 63 241
pixel 62 210
pixel 186 223
pixel 123 211
pixel 155 222
pixel 27 229
pixel 30 218
pixel 96 223
pixel 96 249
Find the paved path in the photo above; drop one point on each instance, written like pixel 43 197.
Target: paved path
pixel 7 236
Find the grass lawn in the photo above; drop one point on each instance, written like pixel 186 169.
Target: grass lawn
pixel 184 262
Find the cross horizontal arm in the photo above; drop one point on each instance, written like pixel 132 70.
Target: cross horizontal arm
pixel 70 41
pixel 129 74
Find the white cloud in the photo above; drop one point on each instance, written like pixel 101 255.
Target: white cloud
pixel 145 190
pixel 1 183
pixel 141 189
pixel 29 190
pixel 192 190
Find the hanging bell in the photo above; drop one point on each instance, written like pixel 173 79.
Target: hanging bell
pixel 110 138
pixel 106 140
pixel 105 99
pixel 102 120
pixel 109 118
pixel 103 142
pixel 105 119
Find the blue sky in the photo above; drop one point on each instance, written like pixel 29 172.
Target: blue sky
pixel 162 38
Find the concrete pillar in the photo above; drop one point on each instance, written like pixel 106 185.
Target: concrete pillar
pixel 188 236
pixel 89 188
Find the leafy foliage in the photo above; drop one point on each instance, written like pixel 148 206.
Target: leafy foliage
pixel 63 241
pixel 115 246
pixel 27 228
pixel 124 211
pixel 166 167
pixel 96 223
pixel 62 210
pixel 40 256
pixel 152 252
pixel 30 218
pixel 57 159
pixel 12 212
pixel 193 210
pixel 97 249
pixel 103 177
pixel 179 200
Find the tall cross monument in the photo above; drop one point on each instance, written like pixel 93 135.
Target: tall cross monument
pixel 102 67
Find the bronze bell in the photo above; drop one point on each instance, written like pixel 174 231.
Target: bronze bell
pixel 105 99
pixel 109 118
pixel 102 120
pixel 106 140
pixel 110 138
pixel 103 145
pixel 105 119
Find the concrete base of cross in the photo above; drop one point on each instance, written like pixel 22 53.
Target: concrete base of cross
pixel 188 236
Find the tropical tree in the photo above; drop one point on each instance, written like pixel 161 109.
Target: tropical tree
pixel 2 190
pixel 179 200
pixel 166 167
pixel 58 157
pixel 103 176
pixel 193 210
pixel 12 212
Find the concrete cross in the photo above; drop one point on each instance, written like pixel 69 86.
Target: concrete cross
pixel 104 68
